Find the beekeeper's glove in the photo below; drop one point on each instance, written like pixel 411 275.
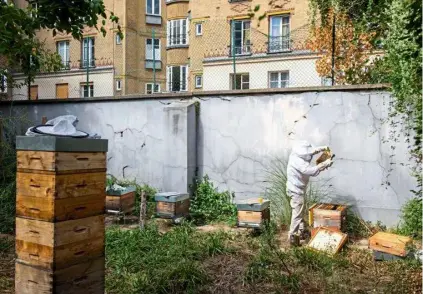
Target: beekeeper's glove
pixel 325 164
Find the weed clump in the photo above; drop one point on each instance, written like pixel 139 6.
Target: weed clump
pixel 208 205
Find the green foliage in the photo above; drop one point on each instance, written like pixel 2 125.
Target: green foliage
pixel 411 219
pixel 281 207
pixel 208 205
pixel 396 29
pixel 150 192
pixel 145 261
pixel 19 47
pixel 9 128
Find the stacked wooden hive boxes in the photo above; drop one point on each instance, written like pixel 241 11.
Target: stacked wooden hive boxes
pixel 332 216
pixel 60 215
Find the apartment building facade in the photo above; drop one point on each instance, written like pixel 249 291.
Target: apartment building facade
pixel 103 66
pixel 182 45
pixel 262 41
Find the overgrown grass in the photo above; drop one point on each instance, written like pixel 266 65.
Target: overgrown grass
pixel 277 178
pixel 148 262
pixel 300 270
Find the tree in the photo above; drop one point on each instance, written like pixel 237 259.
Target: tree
pixel 19 48
pixel 350 49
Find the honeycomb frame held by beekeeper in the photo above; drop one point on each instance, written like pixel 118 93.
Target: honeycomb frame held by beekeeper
pixel 299 171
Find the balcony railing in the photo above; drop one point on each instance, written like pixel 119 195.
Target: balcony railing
pixel 177 40
pixel 90 63
pixel 177 86
pixel 240 50
pixel 279 44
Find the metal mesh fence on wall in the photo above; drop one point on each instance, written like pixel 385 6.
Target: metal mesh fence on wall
pixel 201 55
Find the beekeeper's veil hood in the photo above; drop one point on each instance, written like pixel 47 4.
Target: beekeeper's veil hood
pixel 304 150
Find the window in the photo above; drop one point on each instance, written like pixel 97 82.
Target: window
pixel 118 39
pixel 33 10
pixel 198 81
pixel 241 37
pixel 198 29
pixel 88 52
pixel 279 35
pixel 33 92
pixel 63 51
pixel 177 78
pixel 118 85
pixel 149 88
pixel 87 91
pixel 151 54
pixel 153 7
pixel 242 81
pixel 279 79
pixel 177 32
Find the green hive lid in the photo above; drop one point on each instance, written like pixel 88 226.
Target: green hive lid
pixel 60 144
pixel 127 190
pixel 253 204
pixel 171 196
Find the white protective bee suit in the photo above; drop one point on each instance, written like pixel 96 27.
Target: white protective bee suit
pixel 299 171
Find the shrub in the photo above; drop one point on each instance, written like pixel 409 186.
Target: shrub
pixel 411 219
pixel 209 205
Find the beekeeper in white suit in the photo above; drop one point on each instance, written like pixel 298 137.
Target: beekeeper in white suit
pixel 299 172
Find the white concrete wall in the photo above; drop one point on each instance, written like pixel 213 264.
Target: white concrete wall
pixel 302 73
pixel 239 136
pixel 102 80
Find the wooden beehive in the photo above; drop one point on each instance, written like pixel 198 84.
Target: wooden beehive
pixel 60 215
pixel 86 277
pixel 253 212
pixel 331 216
pixel 121 201
pixel 172 205
pixel 390 243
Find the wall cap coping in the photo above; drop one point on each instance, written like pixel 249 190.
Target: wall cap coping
pixel 200 94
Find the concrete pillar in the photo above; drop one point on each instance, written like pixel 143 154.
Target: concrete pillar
pixel 180 133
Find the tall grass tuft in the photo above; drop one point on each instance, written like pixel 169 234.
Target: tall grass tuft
pixel 277 178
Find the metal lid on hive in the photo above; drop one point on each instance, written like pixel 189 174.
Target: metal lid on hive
pixel 124 191
pixel 171 197
pixel 253 204
pixel 60 144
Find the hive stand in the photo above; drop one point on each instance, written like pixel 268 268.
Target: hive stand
pixel 60 204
